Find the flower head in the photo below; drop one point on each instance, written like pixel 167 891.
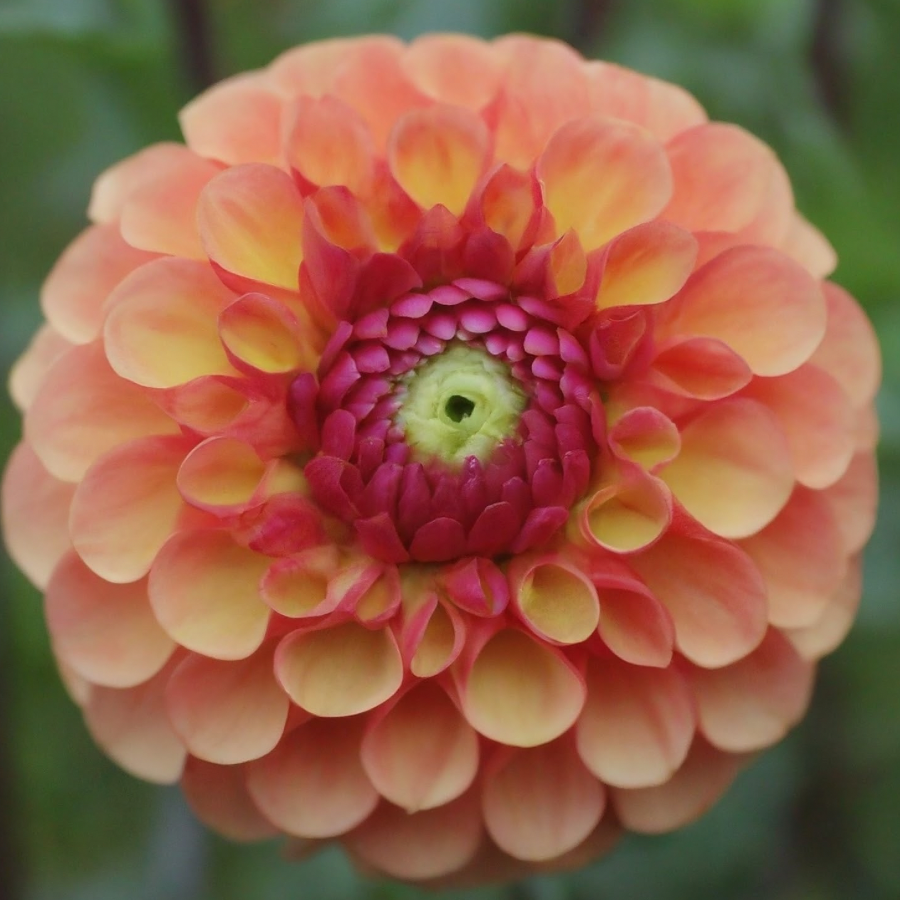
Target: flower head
pixel 453 451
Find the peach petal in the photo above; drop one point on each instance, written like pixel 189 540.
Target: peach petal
pixel 854 501
pixel 73 295
pixel 160 215
pixel 635 626
pixel 78 688
pixel 264 335
pixel 235 121
pixel 437 155
pixel 425 845
pixel 339 671
pixel 227 712
pixel 204 591
pixel 752 703
pixel 555 600
pixel 310 69
pixel 328 143
pixel 218 796
pixel 849 351
pixel 161 330
pixel 646 265
pixel 714 593
pixel 105 632
pixel 453 68
pixel 208 404
pixel 35 515
pixel 220 474
pixel 28 371
pixel 250 220
pixel 299 586
pixel 809 247
pixel 439 643
pixel 83 409
pixel 421 753
pixel 131 726
pixel 801 557
pixel 705 368
pixel 127 506
pixel 637 724
pixel 734 472
pixel 509 203
pixel 601 177
pixel 739 294
pixel 542 803
pixel 313 784
pixel 645 436
pixel 705 775
pixel 520 692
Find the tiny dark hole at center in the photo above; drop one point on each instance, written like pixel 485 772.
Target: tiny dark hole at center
pixel 459 408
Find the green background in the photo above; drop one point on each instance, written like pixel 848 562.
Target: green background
pixel 86 82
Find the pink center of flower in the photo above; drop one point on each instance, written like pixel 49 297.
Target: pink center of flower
pixel 508 454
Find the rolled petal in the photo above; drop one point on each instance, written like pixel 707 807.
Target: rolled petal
pixel 313 784
pixel 220 474
pixel 105 632
pixel 227 712
pixel 602 177
pixel 734 472
pixel 339 671
pixel 637 724
pixel 127 506
pixel 520 692
pixel 422 753
pixel 204 589
pixel 645 436
pixel 635 625
pixel 543 802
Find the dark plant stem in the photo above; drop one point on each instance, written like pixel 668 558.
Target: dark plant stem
pixel 192 22
pixel 588 21
pixel 11 866
pixel 829 59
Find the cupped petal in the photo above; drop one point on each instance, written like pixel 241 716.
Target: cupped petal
pixel 520 692
pixel 105 632
pixel 161 330
pixel 35 515
pixel 227 712
pixel 313 784
pixel 645 436
pixel 250 220
pixel 204 589
pixel 712 590
pixel 27 373
pixel 601 177
pixel 422 753
pixel 542 802
pixel 83 409
pixel 705 368
pixel 126 507
pixel 634 625
pixel 341 670
pixel 734 473
pixel 220 475
pixel 637 723
pixel 738 295
pixel 453 68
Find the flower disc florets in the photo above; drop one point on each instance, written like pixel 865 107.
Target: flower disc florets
pixel 454 451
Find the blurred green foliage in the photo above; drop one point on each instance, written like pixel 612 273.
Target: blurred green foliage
pixel 86 82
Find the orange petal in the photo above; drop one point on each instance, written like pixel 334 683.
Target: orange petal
pixel 313 784
pixel 438 154
pixel 161 330
pixel 35 515
pixel 645 436
pixel 422 753
pixel 132 727
pixel 235 121
pixel 646 265
pixel 105 632
pixel 204 591
pixel 339 671
pixel 310 69
pixel 218 796
pixel 556 600
pixel 520 692
pixel 809 247
pixel 83 409
pixel 734 472
pixel 739 294
pixel 542 803
pixel 714 593
pixel 74 293
pixel 690 792
pixel 264 335
pixel 854 501
pixel 705 368
pixel 439 643
pixel 250 218
pixel 752 703
pixel 28 371
pixel 220 475
pixel 602 177
pixel 424 845
pixel 227 712
pixel 127 506
pixel 298 586
pixel 508 203
pixel 453 68
pixel 637 723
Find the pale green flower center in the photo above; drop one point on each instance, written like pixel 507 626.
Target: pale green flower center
pixel 460 403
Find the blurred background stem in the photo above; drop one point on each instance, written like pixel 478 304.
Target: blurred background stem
pixel 196 51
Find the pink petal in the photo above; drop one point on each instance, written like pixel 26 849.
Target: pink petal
pixel 634 625
pixel 854 501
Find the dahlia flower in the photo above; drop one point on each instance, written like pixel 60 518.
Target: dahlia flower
pixel 453 451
